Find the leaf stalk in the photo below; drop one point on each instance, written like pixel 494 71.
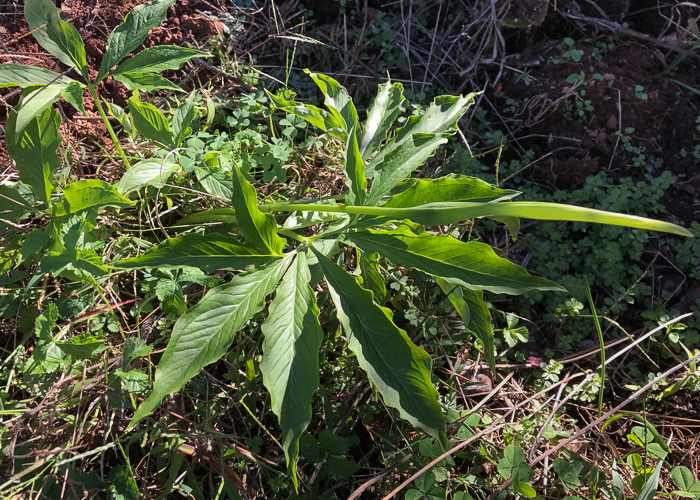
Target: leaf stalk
pixel 110 130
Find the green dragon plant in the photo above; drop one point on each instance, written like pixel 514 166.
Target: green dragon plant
pixel 43 87
pixel 386 213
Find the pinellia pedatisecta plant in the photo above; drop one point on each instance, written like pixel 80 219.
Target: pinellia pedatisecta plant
pixel 43 87
pixel 383 212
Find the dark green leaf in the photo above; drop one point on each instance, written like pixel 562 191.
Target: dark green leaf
pixel 123 485
pixel 134 347
pixel 211 252
pixel 147 82
pixel 513 464
pixel 33 102
pixel 35 152
pixel 337 100
pixel 682 477
pixel 150 122
pixel 381 116
pixel 132 32
pixel 568 472
pixel 473 265
pixel 340 467
pixel 259 229
pixel 474 312
pixel 416 192
pixel 354 172
pixel 83 346
pixel 171 298
pixel 396 367
pixel 73 95
pixel 203 334
pixel 401 162
pixel 372 279
pixel 54 34
pixel 289 365
pixel 21 75
pixel 182 118
pixel 35 243
pixel 152 172
pixel 133 380
pixel 16 200
pixel 90 193
pixel 157 59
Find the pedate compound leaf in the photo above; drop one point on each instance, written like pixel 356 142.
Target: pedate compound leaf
pixel 147 82
pixel 474 312
pixel 380 117
pixel 132 32
pixel 150 122
pixel 337 100
pixel 441 116
pixel 399 163
pixel 473 264
pixel 292 339
pixel 396 366
pixel 55 35
pixel 21 75
pixel 259 229
pixel 151 172
pixel 203 334
pixel 35 151
pixel 354 172
pixel 90 194
pixel 157 59
pixel 211 252
pixel 416 192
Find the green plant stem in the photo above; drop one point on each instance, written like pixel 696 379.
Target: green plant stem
pixel 110 130
pixel 602 349
pixel 319 207
pixel 260 424
pixel 125 456
pixel 292 234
